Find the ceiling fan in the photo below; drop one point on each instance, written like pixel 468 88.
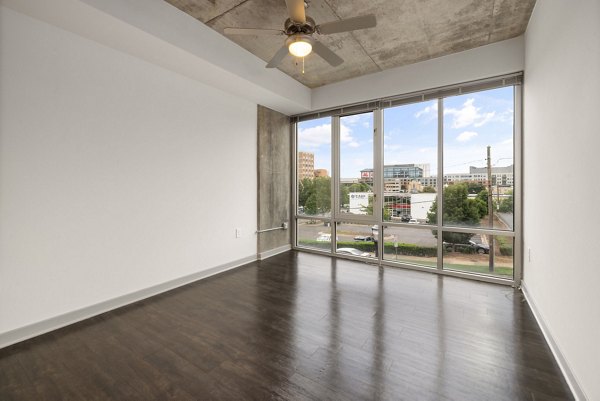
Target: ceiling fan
pixel 299 29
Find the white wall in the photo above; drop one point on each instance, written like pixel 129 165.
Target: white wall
pixel 561 145
pixel 115 174
pixel 156 31
pixel 482 62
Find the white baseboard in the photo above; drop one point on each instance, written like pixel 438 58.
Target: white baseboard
pixel 273 252
pixel 560 359
pixel 56 322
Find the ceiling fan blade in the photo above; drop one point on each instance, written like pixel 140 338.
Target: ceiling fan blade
pixel 252 31
pixel 327 55
pixel 296 10
pixel 278 57
pixel 345 25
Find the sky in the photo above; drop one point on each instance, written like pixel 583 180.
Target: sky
pixel 471 123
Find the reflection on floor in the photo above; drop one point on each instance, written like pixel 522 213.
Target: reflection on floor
pixel 298 326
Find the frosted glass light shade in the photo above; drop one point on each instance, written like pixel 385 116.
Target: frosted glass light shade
pixel 300 48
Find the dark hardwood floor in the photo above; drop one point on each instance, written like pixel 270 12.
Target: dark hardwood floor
pixel 298 327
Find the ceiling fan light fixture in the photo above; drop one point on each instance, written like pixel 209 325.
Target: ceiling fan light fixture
pixel 300 46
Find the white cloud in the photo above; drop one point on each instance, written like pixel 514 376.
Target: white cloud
pixel 466 136
pixel 468 115
pixel 485 118
pixel 430 111
pixel 356 119
pixel 314 137
pixel 346 136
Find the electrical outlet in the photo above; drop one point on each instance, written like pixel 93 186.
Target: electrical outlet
pixel 284 225
pixel 238 232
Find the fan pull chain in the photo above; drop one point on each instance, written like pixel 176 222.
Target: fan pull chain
pixel 302 65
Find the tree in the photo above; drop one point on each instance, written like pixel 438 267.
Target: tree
pixel 314 195
pixel 306 187
pixel 475 187
pixel 459 210
pixel 356 187
pixel 428 190
pixel 310 206
pixel 323 194
pixel 506 204
pixel 369 210
pixel 481 201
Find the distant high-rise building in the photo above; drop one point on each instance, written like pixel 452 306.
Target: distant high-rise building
pixel 306 165
pixel 501 176
pixel 412 177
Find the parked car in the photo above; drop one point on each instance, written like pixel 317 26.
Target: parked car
pixel 479 248
pixel 413 221
pixel 471 246
pixel 325 238
pixel 352 251
pixel 363 238
pixel 405 218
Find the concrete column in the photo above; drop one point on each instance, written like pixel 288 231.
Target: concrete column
pixel 274 180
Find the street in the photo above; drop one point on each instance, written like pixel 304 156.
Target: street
pixel 347 232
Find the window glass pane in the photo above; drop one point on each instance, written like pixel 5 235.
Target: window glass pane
pixel 472 253
pixel 356 239
pixel 314 167
pixel 356 164
pixel 314 234
pixel 475 124
pixel 410 245
pixel 410 162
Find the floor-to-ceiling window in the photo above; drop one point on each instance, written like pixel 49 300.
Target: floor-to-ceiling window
pixel 313 183
pixel 429 181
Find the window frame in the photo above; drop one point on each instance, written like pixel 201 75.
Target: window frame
pixel 377 106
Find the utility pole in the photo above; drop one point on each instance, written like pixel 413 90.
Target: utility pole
pixel 490 207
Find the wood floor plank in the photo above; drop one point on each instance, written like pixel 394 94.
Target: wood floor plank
pixel 298 326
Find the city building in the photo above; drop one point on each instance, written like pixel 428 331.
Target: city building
pixel 321 172
pixel 411 177
pixel 501 176
pixel 306 165
pixel 397 171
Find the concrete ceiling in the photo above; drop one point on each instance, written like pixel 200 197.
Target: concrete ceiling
pixel 407 31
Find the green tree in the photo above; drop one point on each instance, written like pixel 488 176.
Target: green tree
pixel 506 204
pixel 369 210
pixel 356 187
pixel 428 190
pixel 459 210
pixel 323 194
pixel 475 187
pixel 310 206
pixel 481 201
pixel 314 195
pixel 344 195
pixel 306 187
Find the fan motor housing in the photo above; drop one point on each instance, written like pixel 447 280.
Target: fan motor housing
pixel 292 27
